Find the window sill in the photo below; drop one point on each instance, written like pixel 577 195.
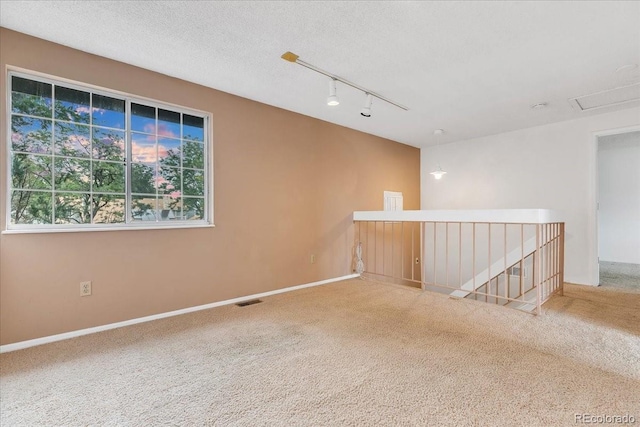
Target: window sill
pixel 92 229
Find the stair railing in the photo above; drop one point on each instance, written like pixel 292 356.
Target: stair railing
pixel 513 263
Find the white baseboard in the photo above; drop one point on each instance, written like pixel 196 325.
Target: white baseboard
pixel 73 334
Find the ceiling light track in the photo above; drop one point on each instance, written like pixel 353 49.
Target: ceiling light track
pixel 292 57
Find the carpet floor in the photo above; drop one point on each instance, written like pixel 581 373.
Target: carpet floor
pixel 352 353
pixel 620 275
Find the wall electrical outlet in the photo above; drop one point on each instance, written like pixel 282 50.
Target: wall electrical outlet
pixel 313 258
pixel 85 289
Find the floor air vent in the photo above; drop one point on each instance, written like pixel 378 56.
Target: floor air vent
pixel 607 98
pixel 250 302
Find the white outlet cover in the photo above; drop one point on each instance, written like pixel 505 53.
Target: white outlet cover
pixel 85 289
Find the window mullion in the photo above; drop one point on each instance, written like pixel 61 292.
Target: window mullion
pixel 182 214
pixel 53 153
pixel 208 196
pixel 128 202
pixel 157 171
pixel 91 179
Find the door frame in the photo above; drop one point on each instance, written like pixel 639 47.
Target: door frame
pixel 594 187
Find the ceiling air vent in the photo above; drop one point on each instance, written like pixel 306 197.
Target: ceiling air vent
pixel 607 98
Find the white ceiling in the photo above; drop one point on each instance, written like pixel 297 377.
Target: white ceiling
pixel 471 68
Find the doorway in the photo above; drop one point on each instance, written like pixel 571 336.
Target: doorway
pixel 619 210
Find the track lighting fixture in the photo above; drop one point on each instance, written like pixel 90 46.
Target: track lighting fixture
pixel 438 173
pixel 366 111
pixel 332 100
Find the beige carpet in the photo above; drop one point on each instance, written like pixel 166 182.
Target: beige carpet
pixel 620 275
pixel 351 353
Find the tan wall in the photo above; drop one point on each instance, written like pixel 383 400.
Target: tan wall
pixel 285 186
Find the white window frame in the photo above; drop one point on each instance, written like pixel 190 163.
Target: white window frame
pixel 128 98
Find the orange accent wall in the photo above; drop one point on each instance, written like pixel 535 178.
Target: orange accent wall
pixel 285 186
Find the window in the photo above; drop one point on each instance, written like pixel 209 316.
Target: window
pixel 83 158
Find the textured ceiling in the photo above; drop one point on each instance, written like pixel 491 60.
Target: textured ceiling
pixel 471 68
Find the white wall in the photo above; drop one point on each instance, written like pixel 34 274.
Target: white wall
pixel 549 167
pixel 619 197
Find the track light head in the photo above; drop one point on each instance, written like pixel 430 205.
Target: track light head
pixel 366 111
pixel 332 100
